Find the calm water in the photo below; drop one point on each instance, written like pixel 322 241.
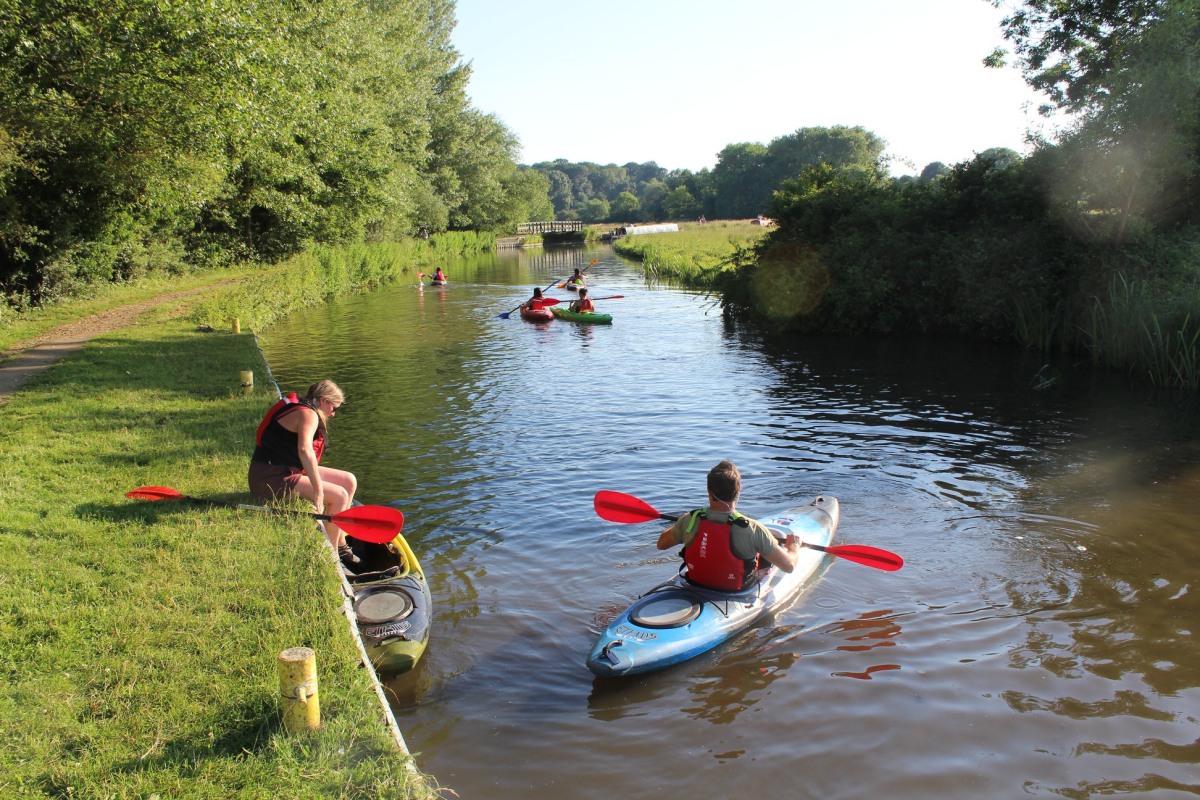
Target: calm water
pixel 1040 640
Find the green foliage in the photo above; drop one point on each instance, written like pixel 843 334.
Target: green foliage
pixel 625 208
pixel 312 277
pixel 697 255
pixel 138 640
pixel 740 185
pixel 138 136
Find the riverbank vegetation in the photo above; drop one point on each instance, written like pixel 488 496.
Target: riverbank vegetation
pixel 698 255
pixel 1090 245
pixel 139 639
pixel 137 137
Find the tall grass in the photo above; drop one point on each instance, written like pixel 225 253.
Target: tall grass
pixel 695 256
pixel 308 279
pixel 1131 328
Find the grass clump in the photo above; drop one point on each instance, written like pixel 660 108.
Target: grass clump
pixel 138 639
pixel 697 255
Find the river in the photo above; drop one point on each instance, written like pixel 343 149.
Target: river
pixel 1038 642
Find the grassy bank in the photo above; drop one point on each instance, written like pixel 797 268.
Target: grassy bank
pixel 139 639
pixel 696 255
pixel 20 326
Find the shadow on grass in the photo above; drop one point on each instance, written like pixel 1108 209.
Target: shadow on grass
pixel 245 730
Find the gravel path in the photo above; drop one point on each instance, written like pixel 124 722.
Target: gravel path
pixel 19 364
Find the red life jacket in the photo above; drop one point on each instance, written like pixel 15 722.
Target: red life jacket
pixel 278 410
pixel 710 558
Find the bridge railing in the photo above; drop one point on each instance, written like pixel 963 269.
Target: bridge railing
pixel 557 226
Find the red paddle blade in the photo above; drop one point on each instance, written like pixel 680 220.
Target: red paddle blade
pixel 869 556
pixel 378 524
pixel 620 507
pixel 154 493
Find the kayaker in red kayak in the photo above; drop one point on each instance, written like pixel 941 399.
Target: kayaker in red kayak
pixel 583 305
pixel 722 548
pixel 537 301
pixel 287 449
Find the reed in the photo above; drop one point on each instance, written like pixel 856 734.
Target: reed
pixel 695 256
pixel 308 279
pixel 1132 329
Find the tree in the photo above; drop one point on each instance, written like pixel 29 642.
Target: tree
pixel 625 208
pixel 653 195
pixel 934 170
pixel 1125 70
pixel 839 146
pixel 679 204
pixel 595 210
pixel 740 180
pixel 1073 50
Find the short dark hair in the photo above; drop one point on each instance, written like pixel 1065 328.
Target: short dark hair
pixel 725 482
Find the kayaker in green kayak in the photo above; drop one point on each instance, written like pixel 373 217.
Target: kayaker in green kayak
pixel 584 304
pixel 722 548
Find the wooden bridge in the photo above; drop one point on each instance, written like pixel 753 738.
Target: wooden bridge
pixel 558 226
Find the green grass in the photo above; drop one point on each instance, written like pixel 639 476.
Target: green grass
pixel 17 327
pixel 138 640
pixel 696 255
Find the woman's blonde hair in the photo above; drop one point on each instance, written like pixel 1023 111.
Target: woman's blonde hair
pixel 325 390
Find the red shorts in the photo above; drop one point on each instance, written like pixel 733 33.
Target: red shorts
pixel 272 481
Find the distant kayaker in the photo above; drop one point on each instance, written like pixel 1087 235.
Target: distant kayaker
pixel 577 279
pixel 439 275
pixel 584 304
pixel 721 548
pixel 288 447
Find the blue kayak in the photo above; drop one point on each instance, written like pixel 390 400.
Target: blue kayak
pixel 678 620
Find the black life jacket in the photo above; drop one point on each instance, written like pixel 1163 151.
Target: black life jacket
pixel 275 444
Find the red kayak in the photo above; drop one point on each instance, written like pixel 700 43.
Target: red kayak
pixel 536 314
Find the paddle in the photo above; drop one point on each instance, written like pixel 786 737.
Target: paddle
pixel 554 300
pixel 620 507
pixel 378 524
pixel 563 285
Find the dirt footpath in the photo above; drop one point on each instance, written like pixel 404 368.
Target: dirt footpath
pixel 20 363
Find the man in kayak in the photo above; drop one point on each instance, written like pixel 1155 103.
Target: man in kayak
pixel 577 279
pixel 288 447
pixel 439 275
pixel 721 548
pixel 583 304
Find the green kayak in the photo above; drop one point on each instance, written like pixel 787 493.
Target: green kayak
pixel 585 316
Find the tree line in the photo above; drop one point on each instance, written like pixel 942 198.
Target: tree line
pixel 1091 244
pixel 204 132
pixel 740 185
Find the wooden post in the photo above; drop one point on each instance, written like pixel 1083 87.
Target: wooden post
pixel 298 690
pixel 247 378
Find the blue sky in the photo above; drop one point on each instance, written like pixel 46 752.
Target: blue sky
pixel 675 81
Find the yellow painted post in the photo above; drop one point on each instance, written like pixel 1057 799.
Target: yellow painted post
pixel 298 689
pixel 237 325
pixel 247 377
